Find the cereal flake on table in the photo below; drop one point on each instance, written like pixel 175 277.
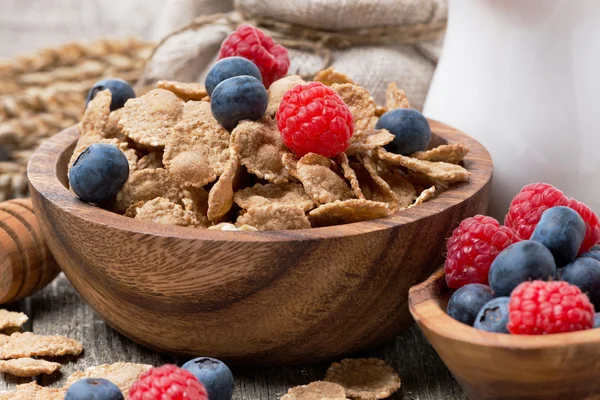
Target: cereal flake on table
pixel 27 344
pixel 27 367
pixel 364 378
pixel 10 319
pixel 317 390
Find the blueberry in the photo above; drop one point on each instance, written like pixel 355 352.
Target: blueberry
pixel 93 389
pixel 238 98
pixel 228 68
pixel 493 316
pixel 214 375
pixel 120 91
pixel 520 262
pixel 466 302
pixel 561 230
pixel 594 252
pixel 99 173
pixel 597 320
pixel 584 272
pixel 410 129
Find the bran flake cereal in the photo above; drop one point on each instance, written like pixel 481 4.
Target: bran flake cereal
pixel 33 391
pixel 290 193
pixel 395 97
pixel 149 120
pixel 274 217
pixel 278 89
pixel 330 76
pixel 383 192
pixel 365 141
pixel 28 344
pixel 360 103
pixel 95 118
pixel 163 211
pixel 185 91
pixel 442 171
pixel 220 197
pixel 364 378
pixel 112 130
pixel 424 196
pixel 321 183
pixel 450 153
pixel 10 319
pixel 317 390
pixel 122 374
pixel 146 185
pixel 151 160
pixel 401 187
pixel 260 147
pixel 345 212
pixel 350 175
pixel 27 367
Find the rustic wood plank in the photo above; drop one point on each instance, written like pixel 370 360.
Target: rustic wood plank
pixel 58 309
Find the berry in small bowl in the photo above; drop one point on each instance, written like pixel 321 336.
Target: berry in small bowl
pixel 465 303
pixel 584 273
pixel 493 316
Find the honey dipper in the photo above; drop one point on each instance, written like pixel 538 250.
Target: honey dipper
pixel 26 264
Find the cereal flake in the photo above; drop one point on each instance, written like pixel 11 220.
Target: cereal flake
pixel 350 175
pixel 383 192
pixel 146 185
pixel 163 211
pixel 96 115
pixel 330 76
pixel 290 193
pixel 368 140
pixel 28 344
pixel 27 367
pixel 151 160
pixel 150 120
pixel 220 197
pixel 278 89
pixel 198 150
pixel 122 374
pixel 260 148
pixel 424 196
pixel 395 97
pixel 185 91
pixel 321 183
pixel 10 319
pixel 360 103
pixel 33 391
pixel 348 211
pixel 364 378
pixel 274 217
pixel 318 390
pixel 450 153
pixel 442 171
pixel 112 129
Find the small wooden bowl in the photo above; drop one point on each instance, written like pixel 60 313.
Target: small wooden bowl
pixel 500 366
pixel 250 297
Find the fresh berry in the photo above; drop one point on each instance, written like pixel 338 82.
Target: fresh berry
pixel 238 98
pixel 584 273
pixel 249 42
pixel 120 91
pixel 228 68
pixel 539 307
pixel 592 225
pixel 520 262
pixel 597 320
pixel 313 118
pixel 561 229
pixel 167 382
pixel 93 389
pixel 99 173
pixel 527 207
pixel 593 253
pixel 466 302
pixel 410 129
pixel 472 248
pixel 493 316
pixel 214 375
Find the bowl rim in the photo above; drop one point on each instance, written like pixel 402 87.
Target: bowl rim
pixel 45 182
pixel 424 301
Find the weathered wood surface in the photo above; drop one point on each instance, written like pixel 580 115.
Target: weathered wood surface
pixel 58 309
pixel 28 25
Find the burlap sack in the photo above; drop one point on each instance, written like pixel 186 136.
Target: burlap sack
pixel 373 41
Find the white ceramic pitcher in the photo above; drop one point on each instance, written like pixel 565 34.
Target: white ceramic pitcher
pixel 523 77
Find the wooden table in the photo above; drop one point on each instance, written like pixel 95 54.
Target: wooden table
pixel 59 310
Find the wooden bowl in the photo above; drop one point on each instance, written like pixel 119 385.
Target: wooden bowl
pixel 250 297
pixel 501 366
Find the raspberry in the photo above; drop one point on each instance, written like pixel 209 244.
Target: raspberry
pixel 168 381
pixel 539 307
pixel 249 42
pixel 313 118
pixel 527 207
pixel 472 248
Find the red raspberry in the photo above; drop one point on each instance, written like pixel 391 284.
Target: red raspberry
pixel 472 248
pixel 539 307
pixel 313 118
pixel 249 42
pixel 527 207
pixel 167 382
